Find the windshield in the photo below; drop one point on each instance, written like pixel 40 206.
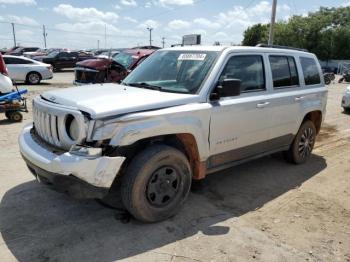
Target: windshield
pixel 173 71
pixel 53 54
pixel 125 59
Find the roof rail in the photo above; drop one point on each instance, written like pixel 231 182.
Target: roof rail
pixel 282 47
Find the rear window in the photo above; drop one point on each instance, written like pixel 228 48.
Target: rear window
pixel 284 71
pixel 310 70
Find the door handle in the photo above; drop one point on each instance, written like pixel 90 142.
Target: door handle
pixel 299 98
pixel 262 105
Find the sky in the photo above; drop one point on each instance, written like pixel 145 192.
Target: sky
pixel 84 24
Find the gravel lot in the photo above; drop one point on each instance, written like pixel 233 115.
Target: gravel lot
pixel 265 210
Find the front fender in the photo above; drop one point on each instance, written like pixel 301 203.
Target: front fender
pixel 189 119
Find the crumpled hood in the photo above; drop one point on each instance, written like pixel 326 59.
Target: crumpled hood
pixel 97 63
pixel 103 100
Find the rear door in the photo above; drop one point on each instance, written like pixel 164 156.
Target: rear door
pixel 285 98
pixel 240 126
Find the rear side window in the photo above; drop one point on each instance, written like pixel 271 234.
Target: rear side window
pixel 247 68
pixel 284 71
pixel 16 61
pixel 310 70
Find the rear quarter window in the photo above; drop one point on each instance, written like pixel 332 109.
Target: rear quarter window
pixel 310 71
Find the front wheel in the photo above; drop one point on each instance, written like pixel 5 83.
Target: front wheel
pixel 303 144
pixel 156 183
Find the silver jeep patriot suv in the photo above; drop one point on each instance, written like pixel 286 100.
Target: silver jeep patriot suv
pixel 184 113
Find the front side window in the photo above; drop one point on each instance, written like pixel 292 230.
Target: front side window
pixel 24 62
pixel 173 71
pixel 62 55
pixel 284 71
pixel 247 68
pixel 310 70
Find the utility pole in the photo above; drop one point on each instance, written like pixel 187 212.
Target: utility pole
pixel 14 33
pixel 163 41
pixel 98 44
pixel 150 35
pixel 272 24
pixel 105 35
pixel 45 35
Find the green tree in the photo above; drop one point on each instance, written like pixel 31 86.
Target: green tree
pixel 325 32
pixel 255 35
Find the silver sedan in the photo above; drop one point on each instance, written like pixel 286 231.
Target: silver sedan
pixel 28 70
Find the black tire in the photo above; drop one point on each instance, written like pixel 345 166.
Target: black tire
pixel 156 183
pixel 346 109
pixel 33 78
pixel 327 80
pixel 303 144
pixel 16 116
pixel 8 115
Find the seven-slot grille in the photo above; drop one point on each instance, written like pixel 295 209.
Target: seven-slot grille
pixel 46 126
pixel 50 123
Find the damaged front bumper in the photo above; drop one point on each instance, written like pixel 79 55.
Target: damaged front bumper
pixel 76 172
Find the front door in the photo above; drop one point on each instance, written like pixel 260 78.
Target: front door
pixel 240 126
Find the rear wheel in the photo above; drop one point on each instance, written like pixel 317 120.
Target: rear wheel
pixel 33 78
pixel 156 183
pixel 16 116
pixel 303 144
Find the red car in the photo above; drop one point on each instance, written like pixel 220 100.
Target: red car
pixel 110 70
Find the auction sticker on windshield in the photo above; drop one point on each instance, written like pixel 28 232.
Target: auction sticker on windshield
pixel 198 57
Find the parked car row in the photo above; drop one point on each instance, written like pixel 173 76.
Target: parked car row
pixel 63 59
pixel 20 50
pixel 110 69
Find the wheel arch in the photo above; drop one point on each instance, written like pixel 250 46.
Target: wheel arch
pixel 185 142
pixel 316 117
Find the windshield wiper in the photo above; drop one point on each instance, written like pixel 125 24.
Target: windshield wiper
pixel 144 85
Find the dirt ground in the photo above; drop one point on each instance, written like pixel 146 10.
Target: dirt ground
pixel 265 210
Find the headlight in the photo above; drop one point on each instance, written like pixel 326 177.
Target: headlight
pixel 72 128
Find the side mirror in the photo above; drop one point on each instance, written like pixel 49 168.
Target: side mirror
pixel 228 87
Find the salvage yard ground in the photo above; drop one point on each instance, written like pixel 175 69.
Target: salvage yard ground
pixel 265 210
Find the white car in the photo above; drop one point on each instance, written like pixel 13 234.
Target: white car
pixel 5 82
pixel 345 102
pixel 28 70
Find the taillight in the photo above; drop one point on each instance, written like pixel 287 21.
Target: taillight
pixel 3 68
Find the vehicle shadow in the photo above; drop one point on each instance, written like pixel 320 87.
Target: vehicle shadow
pixel 6 121
pixel 38 224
